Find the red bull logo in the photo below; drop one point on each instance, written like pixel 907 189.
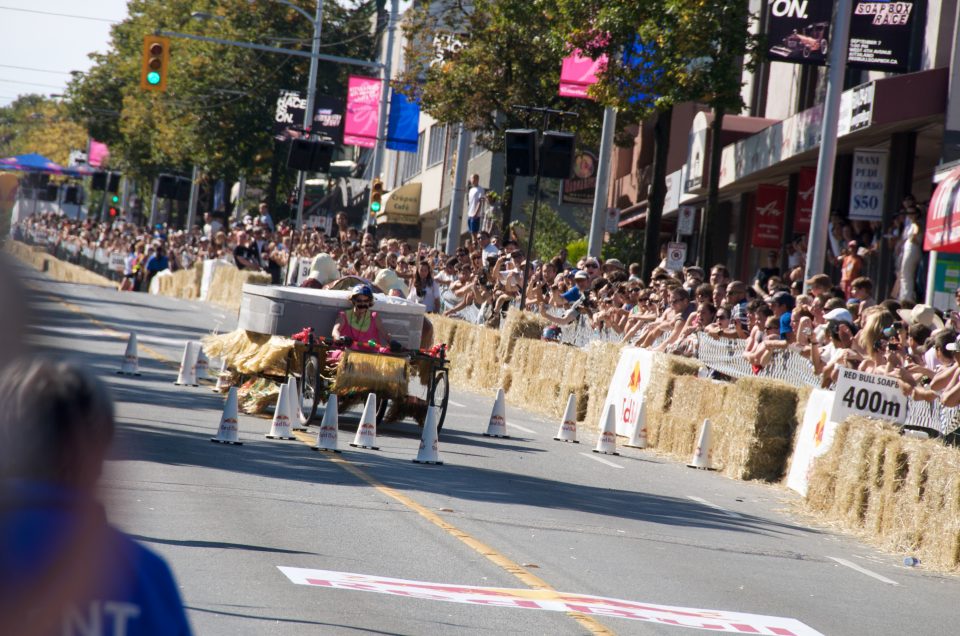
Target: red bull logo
pixel 635 378
pixel 818 432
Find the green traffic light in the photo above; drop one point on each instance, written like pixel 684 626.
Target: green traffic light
pixel 115 199
pixel 153 78
pixel 375 206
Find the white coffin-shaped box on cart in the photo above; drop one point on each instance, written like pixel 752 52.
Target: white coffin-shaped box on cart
pixel 283 311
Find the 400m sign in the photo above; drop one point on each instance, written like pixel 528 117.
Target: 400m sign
pixel 868 395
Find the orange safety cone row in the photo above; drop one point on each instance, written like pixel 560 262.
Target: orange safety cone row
pixel 228 433
pixel 498 418
pixel 188 366
pixel 280 426
pixel 703 454
pixel 130 364
pixel 297 419
pixel 429 452
pixel 366 436
pixel 607 443
pixel 327 437
pixel 568 426
pixel 638 438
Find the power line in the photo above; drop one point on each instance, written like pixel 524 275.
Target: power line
pixel 32 83
pixel 59 15
pixel 36 70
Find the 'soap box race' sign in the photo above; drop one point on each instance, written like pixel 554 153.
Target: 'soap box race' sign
pixel 628 388
pixel 868 395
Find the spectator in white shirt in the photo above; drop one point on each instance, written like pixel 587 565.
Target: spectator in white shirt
pixel 475 201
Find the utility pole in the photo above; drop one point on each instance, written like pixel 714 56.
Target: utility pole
pixel 386 70
pixel 459 179
pixel 599 218
pixel 311 100
pixel 194 192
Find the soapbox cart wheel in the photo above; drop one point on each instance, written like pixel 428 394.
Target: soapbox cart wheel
pixel 312 389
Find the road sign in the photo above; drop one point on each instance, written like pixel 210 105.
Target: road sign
pixel 868 395
pixel 686 216
pixel 676 256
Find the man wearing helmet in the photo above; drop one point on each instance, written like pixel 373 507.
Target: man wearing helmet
pixel 357 326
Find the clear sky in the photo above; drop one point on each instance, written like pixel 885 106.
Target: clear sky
pixel 31 36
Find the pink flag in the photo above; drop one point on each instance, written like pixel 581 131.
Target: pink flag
pixel 97 153
pixel 363 112
pixel 578 73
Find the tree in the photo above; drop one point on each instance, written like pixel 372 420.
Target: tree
pixel 552 232
pixel 33 123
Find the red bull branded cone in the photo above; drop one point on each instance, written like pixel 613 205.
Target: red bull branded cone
pixel 297 420
pixel 703 452
pixel 280 428
pixel 223 379
pixel 568 426
pixel 131 363
pixel 638 438
pixel 498 418
pixel 229 432
pixel 607 443
pixel 429 452
pixel 203 363
pixel 366 436
pixel 188 366
pixel 329 427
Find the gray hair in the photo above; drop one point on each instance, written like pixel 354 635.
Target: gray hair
pixel 50 411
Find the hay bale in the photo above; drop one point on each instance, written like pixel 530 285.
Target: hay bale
pixel 602 358
pixel 941 547
pixel 754 429
pixel 519 325
pixel 475 362
pixel 226 288
pixel 695 399
pixel 184 283
pixel 543 374
pixel 666 368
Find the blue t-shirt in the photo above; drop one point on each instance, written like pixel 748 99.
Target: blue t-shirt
pixel 785 327
pixel 49 534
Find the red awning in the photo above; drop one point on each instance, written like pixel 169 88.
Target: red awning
pixel 943 216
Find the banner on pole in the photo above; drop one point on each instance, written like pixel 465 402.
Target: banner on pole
pixel 578 73
pixel 805 188
pixel 363 111
pixel 403 125
pixel 768 213
pixel 288 117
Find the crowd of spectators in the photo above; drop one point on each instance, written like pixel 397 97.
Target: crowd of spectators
pixel 833 322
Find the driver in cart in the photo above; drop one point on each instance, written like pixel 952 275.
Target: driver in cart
pixel 359 327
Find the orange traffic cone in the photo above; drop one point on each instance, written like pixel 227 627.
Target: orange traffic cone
pixel 498 418
pixel 568 426
pixel 366 436
pixel 130 364
pixel 228 432
pixel 638 438
pixel 703 453
pixel 327 437
pixel 607 444
pixel 280 426
pixel 429 452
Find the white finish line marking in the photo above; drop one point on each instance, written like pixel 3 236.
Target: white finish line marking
pixel 863 570
pixel 708 504
pixel 550 600
pixel 522 428
pixel 457 404
pixel 597 458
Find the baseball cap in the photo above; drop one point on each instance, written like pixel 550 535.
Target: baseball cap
pixel 839 314
pixel 783 298
pixel 581 275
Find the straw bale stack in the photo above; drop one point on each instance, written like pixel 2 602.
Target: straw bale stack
pixel 184 283
pixel 602 358
pixel 226 288
pixel 694 400
pixel 476 363
pixel 516 326
pixel 660 391
pixel 444 330
pixel 754 428
pixel 902 494
pixel 541 375
pixel 56 269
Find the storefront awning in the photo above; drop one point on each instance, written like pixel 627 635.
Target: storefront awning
pixel 943 216
pixel 402 205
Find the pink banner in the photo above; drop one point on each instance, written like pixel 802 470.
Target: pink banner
pixel 578 73
pixel 363 112
pixel 97 153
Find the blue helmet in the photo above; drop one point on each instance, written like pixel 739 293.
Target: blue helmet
pixel 361 290
pixel 551 333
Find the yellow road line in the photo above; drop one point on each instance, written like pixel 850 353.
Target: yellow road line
pixel 504 562
pixel 501 560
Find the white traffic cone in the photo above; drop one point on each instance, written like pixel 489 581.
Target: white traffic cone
pixel 296 415
pixel 429 452
pixel 703 451
pixel 568 427
pixel 223 379
pixel 498 418
pixel 327 437
pixel 203 363
pixel 607 444
pixel 228 432
pixel 280 426
pixel 638 438
pixel 366 436
pixel 188 366
pixel 131 363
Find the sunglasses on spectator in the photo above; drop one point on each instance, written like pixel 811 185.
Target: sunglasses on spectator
pixel 362 304
pixel 591 265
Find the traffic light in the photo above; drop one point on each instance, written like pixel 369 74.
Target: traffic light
pixel 156 59
pixel 114 200
pixel 376 196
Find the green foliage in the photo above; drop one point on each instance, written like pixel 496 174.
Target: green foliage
pixel 551 232
pixel 33 123
pixel 509 57
pixel 218 109
pixel 577 249
pixel 625 246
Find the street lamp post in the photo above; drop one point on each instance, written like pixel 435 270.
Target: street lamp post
pixel 311 96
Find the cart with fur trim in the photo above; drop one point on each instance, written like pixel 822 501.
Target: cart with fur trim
pixel 288 332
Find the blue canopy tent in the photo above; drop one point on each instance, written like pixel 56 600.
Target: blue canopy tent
pixel 33 162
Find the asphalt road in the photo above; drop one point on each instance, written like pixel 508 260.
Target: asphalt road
pixel 516 513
